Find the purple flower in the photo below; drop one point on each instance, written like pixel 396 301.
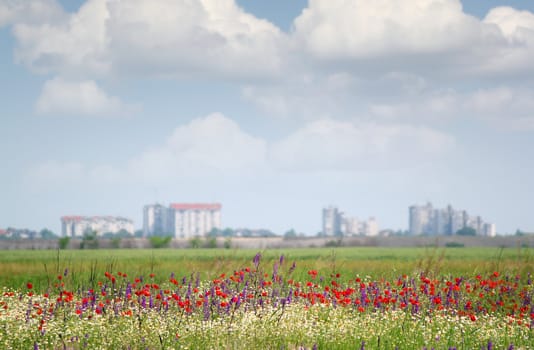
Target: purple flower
pixel 206 310
pixel 292 268
pixel 275 270
pixel 256 259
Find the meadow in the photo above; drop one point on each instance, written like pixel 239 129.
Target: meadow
pixel 312 298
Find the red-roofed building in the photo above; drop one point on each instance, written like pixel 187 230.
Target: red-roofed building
pixel 196 206
pixel 183 220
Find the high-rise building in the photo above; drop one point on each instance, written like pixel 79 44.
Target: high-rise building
pixel 332 219
pixel 157 220
pixel 448 221
pixel 441 221
pixel 421 219
pixel 458 220
pixel 195 219
pixel 335 223
pixel 77 226
pixel 352 226
pixel 489 230
pixel 370 227
pixel 181 220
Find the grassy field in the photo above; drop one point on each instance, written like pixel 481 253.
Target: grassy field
pixel 321 298
pixel 42 267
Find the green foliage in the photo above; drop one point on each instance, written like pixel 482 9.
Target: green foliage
pixel 454 245
pixel 228 232
pixel 334 243
pixel 160 241
pixel 47 234
pixel 195 242
pixel 290 234
pixel 89 240
pixel 116 242
pixel 215 232
pixel 227 243
pixel 211 242
pixel 121 234
pixel 466 231
pixel 63 242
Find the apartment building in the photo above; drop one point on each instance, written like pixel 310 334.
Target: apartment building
pixel 181 220
pixel 335 223
pixel 77 226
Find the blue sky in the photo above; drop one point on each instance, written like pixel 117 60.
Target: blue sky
pixel 275 109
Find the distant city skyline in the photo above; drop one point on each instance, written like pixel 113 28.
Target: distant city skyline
pixel 428 220
pixel 187 220
pixel 276 109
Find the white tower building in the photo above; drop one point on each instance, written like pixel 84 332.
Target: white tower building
pixel 195 219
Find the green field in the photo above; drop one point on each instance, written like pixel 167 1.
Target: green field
pixel 333 298
pixel 42 266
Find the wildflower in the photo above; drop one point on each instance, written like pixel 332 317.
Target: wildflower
pixel 256 259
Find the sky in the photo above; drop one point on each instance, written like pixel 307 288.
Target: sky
pixel 275 109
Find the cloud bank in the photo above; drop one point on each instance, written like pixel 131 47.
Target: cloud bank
pixel 60 96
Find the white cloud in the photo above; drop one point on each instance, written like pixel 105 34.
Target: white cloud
pixel 516 25
pixel 216 39
pixel 210 146
pixel 429 107
pixel 29 11
pixel 361 29
pixel 139 38
pixel 328 145
pixel 216 148
pixel 516 57
pixel 505 107
pixel 78 45
pixel 61 96
pixel 432 37
pixel 305 96
pixel 502 107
